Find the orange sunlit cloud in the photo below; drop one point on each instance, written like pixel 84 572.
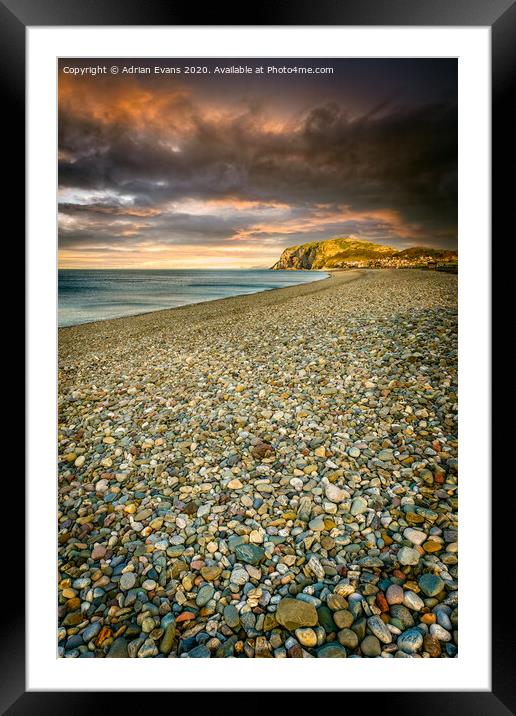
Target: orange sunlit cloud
pixel 193 170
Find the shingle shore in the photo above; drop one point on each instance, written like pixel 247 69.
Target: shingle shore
pixel 272 475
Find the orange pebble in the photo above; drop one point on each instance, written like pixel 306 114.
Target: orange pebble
pixel 382 602
pixel 185 617
pixel 104 634
pixel 428 618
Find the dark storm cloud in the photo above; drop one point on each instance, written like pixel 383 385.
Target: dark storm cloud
pixel 406 159
pixel 398 156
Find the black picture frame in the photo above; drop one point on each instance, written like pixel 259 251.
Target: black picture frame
pixel 500 16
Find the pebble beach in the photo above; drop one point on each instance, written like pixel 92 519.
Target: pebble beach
pixel 265 476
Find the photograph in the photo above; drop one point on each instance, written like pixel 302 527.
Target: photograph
pixel 257 398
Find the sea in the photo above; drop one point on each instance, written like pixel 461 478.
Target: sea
pixel 96 295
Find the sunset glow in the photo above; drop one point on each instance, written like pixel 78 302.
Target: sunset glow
pixel 203 171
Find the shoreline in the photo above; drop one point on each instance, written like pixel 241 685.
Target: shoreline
pixel 196 303
pixel 76 340
pixel 271 475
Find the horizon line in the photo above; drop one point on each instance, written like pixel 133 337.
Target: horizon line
pixel 164 268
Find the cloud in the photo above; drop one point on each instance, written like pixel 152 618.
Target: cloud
pixel 169 169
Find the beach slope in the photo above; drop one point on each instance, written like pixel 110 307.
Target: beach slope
pixel 272 475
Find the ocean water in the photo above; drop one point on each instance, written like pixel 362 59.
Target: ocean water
pixel 96 295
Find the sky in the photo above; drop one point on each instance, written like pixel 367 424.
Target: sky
pixel 216 169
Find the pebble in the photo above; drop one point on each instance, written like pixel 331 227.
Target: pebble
pixel 147 649
pixel 226 486
pixel 408 556
pixel 333 650
pixel 248 621
pixel 296 483
pixel 167 641
pixel 402 614
pixel 262 648
pixel 343 618
pixel 442 615
pixel 204 595
pixel 394 594
pixel 317 524
pixel 335 494
pixel 231 616
pixel 379 629
pixel 118 649
pixel 415 536
pixel 293 613
pixel 410 641
pixel 91 631
pixel 306 637
pixel 370 646
pixel 438 632
pixel 347 637
pixel 432 645
pixel 315 567
pixel 127 581
pixel 358 506
pixel 210 574
pixel 249 553
pixel 326 620
pixel 239 576
pixel 413 601
pixel 234 485
pixel 336 602
pixel 81 583
pixel 431 584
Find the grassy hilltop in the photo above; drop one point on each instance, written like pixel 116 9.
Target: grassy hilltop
pixel 348 252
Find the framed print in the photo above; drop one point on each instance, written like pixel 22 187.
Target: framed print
pixel 258 351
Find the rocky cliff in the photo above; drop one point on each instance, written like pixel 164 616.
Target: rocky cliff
pixel 348 252
pixel 333 253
